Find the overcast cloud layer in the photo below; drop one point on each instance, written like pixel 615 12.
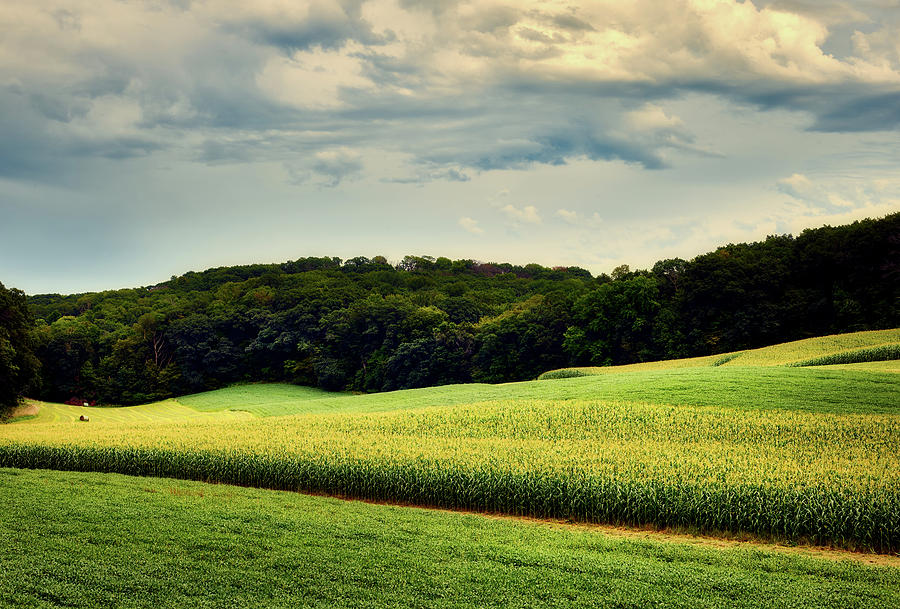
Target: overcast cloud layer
pixel 144 139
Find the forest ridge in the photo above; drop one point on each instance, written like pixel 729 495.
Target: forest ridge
pixel 365 325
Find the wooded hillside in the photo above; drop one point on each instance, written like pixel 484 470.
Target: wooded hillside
pixel 366 325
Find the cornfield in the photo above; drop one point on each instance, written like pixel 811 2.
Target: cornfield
pixel 880 353
pixel 804 477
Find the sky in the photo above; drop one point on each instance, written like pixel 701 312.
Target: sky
pixel 141 140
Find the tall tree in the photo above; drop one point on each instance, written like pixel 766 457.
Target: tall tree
pixel 615 323
pixel 17 362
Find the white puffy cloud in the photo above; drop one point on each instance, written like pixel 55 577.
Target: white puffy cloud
pixel 842 198
pixel 652 117
pixel 797 185
pixel 645 41
pixel 471 225
pixel 328 167
pixel 881 47
pixel 594 220
pixel 527 215
pixel 567 215
pixel 337 165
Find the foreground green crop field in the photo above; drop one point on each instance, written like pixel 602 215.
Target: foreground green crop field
pixel 101 540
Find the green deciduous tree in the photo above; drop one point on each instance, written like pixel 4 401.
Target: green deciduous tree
pixel 522 342
pixel 17 362
pixel 366 325
pixel 615 323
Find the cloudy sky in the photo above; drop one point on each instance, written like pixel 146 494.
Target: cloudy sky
pixel 142 139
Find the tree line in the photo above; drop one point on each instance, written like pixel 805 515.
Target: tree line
pixel 366 325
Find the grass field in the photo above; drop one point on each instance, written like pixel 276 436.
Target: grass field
pixel 168 411
pixel 105 540
pixel 791 453
pixel 861 388
pixel 264 400
pixel 800 454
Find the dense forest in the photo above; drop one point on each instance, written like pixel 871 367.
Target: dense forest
pixel 366 325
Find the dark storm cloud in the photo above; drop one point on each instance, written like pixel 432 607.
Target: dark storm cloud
pixel 325 25
pixel 833 108
pixel 55 107
pixel 337 166
pixel 571 22
pixel 123 147
pixel 866 113
pixel 566 142
pixel 494 129
pixel 25 151
pixel 217 84
pixel 36 148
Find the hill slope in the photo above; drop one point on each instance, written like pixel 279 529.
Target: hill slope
pixel 792 353
pixel 797 453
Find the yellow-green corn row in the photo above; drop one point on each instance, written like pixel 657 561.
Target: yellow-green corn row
pixel 821 478
pixel 880 353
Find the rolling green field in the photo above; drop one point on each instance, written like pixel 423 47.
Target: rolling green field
pixel 860 388
pixel 167 411
pixel 792 453
pixel 825 477
pixel 798 455
pixel 105 540
pixel 696 381
pixel 802 352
